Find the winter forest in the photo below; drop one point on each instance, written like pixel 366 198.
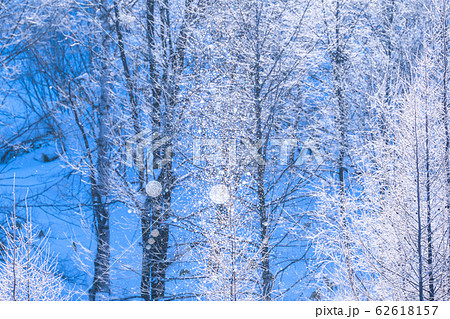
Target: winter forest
pixel 224 150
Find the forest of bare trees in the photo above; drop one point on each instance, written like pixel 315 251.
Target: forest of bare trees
pixel 224 150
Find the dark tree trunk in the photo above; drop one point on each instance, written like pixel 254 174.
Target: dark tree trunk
pixel 419 221
pixel 101 281
pixel 445 119
pixel 338 62
pixel 266 275
pixel 429 228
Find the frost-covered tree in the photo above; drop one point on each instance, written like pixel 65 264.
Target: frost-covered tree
pixel 156 100
pixel 251 116
pixel 367 61
pixel 230 150
pixel 404 240
pixel 337 53
pixel 27 270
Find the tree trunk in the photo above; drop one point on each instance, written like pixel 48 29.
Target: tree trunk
pixel 419 222
pixel 387 29
pixel 445 119
pixel 166 87
pixel 266 275
pixel 101 282
pixel 338 60
pixel 428 200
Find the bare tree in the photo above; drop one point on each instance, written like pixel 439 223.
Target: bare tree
pixel 28 271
